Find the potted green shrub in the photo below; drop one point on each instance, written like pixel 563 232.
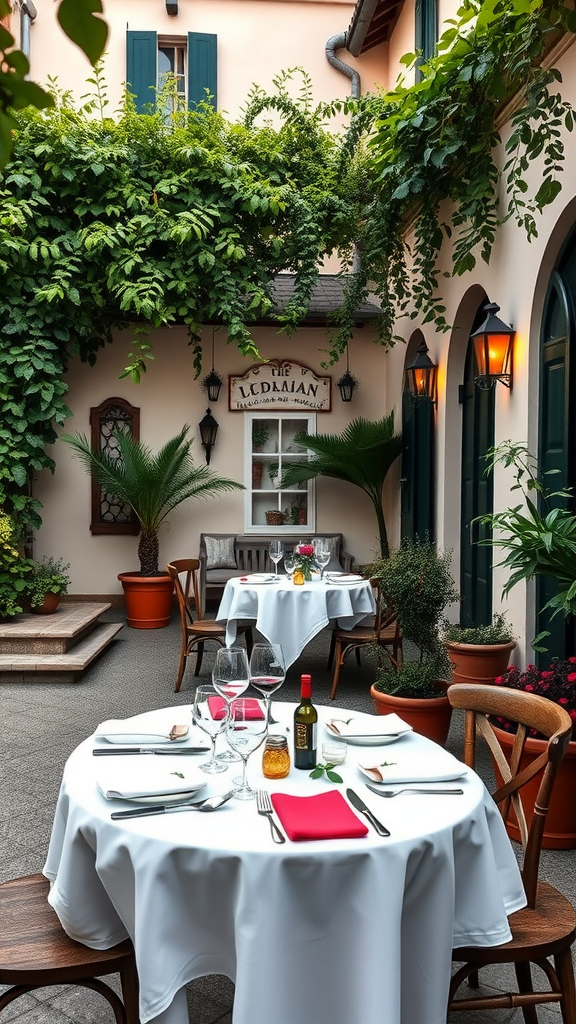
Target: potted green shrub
pixel 153 485
pixel 260 435
pixel 49 579
pixel 417 580
pixel 479 653
pixel 14 570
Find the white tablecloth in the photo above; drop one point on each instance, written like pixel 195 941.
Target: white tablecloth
pixel 330 932
pixel 292 615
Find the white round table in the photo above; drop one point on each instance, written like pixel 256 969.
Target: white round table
pixel 326 932
pixel 292 615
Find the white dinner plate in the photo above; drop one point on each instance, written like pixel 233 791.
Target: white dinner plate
pixel 151 727
pixel 259 577
pixel 404 766
pixel 371 732
pixel 345 578
pixel 158 782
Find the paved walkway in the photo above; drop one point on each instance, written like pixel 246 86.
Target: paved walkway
pixel 43 723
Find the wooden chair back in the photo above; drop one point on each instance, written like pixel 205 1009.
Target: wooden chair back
pixel 187 593
pixel 530 712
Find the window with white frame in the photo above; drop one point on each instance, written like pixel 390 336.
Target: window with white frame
pixel 269 448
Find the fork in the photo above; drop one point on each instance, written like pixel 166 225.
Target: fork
pixel 264 807
pixel 412 789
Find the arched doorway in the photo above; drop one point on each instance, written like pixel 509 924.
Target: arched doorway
pixel 476 496
pixel 557 421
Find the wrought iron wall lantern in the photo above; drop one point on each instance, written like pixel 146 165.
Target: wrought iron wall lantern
pixel 347 383
pixel 493 350
pixel 212 381
pixel 421 375
pixel 208 430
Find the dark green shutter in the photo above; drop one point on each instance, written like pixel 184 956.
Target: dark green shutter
pixel 554 445
pixel 202 68
pixel 425 30
pixel 141 67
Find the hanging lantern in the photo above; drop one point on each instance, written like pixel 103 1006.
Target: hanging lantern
pixel 493 350
pixel 213 381
pixel 421 375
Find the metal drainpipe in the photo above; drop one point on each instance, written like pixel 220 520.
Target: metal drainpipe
pixel 338 43
pixel 27 16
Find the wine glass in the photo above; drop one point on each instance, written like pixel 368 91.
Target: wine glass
pixel 204 697
pixel 322 555
pixel 276 551
pixel 245 733
pixel 289 562
pixel 267 671
pixel 230 677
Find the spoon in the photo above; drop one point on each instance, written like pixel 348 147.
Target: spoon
pixel 412 789
pixel 212 803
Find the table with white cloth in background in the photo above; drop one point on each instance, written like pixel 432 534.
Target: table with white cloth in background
pixel 325 932
pixel 292 615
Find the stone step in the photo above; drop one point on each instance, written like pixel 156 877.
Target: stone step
pixel 51 634
pixel 67 667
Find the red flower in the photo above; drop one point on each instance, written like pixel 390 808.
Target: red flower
pixel 557 683
pixel 306 549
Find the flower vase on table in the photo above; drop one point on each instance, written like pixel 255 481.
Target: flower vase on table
pixel 304 563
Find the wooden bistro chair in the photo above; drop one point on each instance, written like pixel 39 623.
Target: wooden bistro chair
pixel 547 926
pixel 196 631
pixel 35 951
pixel 384 632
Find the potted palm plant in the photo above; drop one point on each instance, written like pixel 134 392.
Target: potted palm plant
pixel 479 653
pixel 417 580
pixel 153 485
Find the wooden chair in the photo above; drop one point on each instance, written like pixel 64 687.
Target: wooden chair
pixel 35 951
pixel 547 926
pixel 195 632
pixel 383 632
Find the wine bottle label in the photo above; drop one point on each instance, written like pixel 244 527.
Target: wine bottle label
pixel 305 736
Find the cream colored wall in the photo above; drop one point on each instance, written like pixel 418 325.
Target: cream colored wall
pixel 256 40
pixel 168 397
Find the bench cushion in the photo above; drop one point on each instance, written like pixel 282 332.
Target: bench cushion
pixel 220 552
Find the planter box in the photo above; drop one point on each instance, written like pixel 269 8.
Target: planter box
pixel 560 831
pixel 430 717
pixel 478 663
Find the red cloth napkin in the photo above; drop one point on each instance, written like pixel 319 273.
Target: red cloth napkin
pixel 217 707
pixel 325 816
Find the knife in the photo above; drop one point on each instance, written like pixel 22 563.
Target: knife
pixel 359 804
pixel 104 751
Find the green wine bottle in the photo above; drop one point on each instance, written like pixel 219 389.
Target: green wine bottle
pixel 305 727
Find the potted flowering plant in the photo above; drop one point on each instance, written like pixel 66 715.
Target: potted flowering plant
pixel 48 581
pixel 556 683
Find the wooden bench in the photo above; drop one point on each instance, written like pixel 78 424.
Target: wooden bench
pixel 251 555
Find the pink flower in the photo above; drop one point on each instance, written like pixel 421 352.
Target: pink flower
pixel 572 677
pixel 306 549
pixel 547 675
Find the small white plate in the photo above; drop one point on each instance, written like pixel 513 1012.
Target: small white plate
pixel 365 731
pixel 343 578
pixel 151 783
pixel 259 578
pixel 150 727
pixel 414 769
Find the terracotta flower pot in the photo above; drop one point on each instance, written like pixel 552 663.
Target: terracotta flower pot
pixel 48 606
pixel 560 831
pixel 148 599
pixel 478 663
pixel 430 717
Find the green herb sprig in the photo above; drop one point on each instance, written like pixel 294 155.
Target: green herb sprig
pixel 325 769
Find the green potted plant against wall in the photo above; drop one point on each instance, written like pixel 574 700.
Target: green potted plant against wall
pixel 417 580
pixel 479 653
pixel 49 579
pixel 153 485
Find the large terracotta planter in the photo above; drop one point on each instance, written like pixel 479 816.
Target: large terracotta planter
pixel 429 717
pixel 478 663
pixel 48 606
pixel 560 831
pixel 148 599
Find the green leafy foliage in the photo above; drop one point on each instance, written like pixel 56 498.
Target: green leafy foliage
pixel 14 570
pixel 361 455
pixel 49 576
pixel 325 770
pixel 152 484
pixel 499 631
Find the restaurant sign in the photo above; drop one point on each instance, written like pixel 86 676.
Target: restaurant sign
pixel 279 384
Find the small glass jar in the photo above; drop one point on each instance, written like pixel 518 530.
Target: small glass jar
pixel 298 578
pixel 276 758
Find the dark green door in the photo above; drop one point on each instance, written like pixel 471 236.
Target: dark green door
pixel 476 498
pixel 417 503
pixel 556 434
